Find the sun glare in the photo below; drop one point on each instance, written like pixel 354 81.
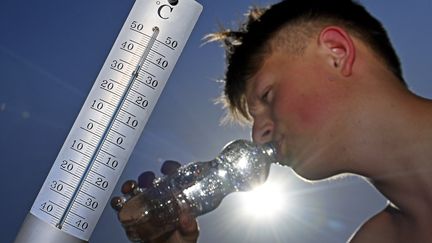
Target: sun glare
pixel 265 201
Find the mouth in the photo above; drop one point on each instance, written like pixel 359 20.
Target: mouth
pixel 282 156
pixel 279 149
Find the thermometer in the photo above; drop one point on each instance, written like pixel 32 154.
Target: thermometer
pixel 110 122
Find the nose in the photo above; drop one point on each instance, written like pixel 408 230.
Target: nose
pixel 262 130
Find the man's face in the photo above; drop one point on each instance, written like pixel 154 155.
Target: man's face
pixel 295 102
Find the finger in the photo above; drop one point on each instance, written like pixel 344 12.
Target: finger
pixel 117 203
pixel 128 188
pixel 145 180
pixel 170 167
pixel 188 227
pixel 165 238
pixel 134 236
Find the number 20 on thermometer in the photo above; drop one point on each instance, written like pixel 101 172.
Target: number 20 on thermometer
pixel 110 122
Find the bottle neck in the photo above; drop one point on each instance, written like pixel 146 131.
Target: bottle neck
pixel 270 149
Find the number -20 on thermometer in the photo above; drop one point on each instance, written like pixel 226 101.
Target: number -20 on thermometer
pixel 110 122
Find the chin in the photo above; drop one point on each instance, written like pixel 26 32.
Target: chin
pixel 307 169
pixel 311 172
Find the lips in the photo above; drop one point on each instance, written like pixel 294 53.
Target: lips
pixel 279 149
pixel 282 155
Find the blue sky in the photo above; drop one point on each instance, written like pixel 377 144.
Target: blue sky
pixel 50 54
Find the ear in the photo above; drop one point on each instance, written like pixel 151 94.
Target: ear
pixel 337 43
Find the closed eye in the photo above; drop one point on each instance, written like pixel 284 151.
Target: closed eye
pixel 266 96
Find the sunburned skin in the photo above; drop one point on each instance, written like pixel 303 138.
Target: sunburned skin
pixel 288 98
pixel 338 109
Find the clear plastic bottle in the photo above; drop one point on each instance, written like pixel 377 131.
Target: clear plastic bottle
pixel 198 187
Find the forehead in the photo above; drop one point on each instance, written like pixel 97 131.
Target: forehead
pixel 271 66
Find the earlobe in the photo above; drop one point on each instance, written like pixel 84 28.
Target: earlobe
pixel 339 47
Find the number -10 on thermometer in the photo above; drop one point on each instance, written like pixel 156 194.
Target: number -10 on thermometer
pixel 110 122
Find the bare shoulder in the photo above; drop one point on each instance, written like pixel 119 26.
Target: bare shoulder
pixel 391 226
pixel 380 228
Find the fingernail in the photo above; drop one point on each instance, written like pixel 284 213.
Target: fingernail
pixel 129 186
pixel 169 167
pixel 117 203
pixel 145 180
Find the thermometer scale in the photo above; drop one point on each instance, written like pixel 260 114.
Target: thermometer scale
pixel 110 122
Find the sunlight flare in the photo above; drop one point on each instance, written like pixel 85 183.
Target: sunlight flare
pixel 265 201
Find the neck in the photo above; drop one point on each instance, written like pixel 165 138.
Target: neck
pixel 393 147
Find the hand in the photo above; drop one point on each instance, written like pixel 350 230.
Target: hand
pixel 186 231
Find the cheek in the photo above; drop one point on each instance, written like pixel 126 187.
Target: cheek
pixel 303 110
pixel 311 110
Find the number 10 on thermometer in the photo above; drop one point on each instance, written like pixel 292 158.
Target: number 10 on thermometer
pixel 110 122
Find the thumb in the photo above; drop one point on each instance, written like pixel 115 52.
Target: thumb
pixel 188 227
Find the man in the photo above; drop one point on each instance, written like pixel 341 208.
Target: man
pixel 321 80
